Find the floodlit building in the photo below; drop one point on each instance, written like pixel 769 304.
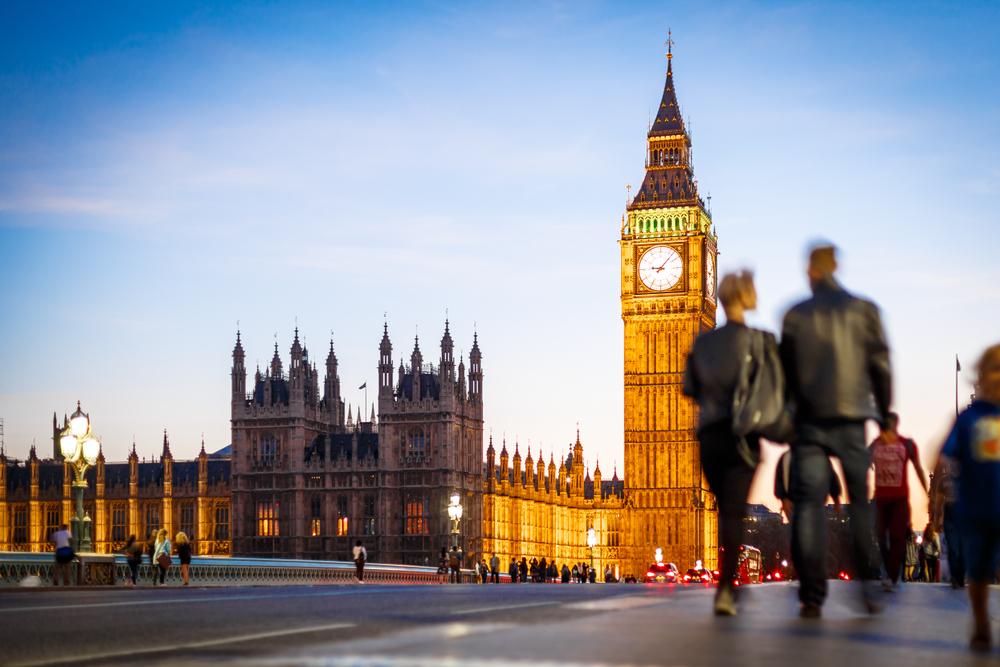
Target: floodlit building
pixel 121 499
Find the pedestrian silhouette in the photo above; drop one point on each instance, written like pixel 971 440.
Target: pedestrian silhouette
pixel 836 361
pixel 724 370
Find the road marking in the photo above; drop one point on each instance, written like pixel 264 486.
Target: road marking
pixel 422 661
pixel 176 600
pixel 510 606
pixel 175 647
pixel 618 603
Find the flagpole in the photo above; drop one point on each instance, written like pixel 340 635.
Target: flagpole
pixel 958 367
pixel 365 413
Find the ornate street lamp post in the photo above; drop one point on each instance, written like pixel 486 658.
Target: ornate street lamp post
pixel 455 514
pixel 80 448
pixel 591 542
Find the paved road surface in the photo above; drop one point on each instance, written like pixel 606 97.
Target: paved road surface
pixel 475 626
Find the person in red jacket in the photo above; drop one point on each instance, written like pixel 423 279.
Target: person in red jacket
pixel 890 453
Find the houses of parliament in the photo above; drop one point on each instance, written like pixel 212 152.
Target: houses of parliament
pixel 305 480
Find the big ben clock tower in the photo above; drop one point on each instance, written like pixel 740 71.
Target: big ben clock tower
pixel 668 286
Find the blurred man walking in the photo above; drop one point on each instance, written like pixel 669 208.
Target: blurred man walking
pixel 836 361
pixel 890 454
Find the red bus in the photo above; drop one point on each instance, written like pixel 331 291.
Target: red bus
pixel 750 565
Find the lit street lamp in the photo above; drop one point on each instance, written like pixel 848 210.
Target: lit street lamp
pixel 591 542
pixel 455 513
pixel 80 448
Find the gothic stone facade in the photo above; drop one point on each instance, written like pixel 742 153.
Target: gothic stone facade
pixel 121 499
pixel 533 514
pixel 308 481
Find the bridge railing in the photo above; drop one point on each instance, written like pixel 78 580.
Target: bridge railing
pixel 15 567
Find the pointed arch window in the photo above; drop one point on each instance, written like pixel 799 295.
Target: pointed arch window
pixel 316 516
pixel 416 442
pixel 52 521
pixel 267 447
pixel 343 517
pixel 19 534
pixel 267 518
pixel 417 514
pixel 222 521
pixel 187 519
pixel 119 522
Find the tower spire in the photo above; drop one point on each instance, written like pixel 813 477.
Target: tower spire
pixel 670 51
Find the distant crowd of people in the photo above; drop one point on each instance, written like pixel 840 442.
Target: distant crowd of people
pixel 518 571
pixel 158 547
pixel 815 390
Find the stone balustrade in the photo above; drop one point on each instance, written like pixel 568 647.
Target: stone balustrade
pixel 223 571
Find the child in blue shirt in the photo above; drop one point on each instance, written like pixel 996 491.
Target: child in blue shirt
pixel 974 444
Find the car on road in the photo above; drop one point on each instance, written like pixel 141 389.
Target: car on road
pixel 661 573
pixel 698 575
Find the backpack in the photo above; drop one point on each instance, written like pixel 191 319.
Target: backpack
pixel 759 399
pixel 453 559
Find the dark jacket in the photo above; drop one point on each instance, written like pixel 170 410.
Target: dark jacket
pixel 836 357
pixel 713 370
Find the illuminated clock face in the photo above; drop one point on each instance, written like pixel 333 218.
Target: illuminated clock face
pixel 710 276
pixel 660 268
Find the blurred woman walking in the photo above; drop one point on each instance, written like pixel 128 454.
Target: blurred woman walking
pixel 161 556
pixel 932 552
pixel 184 554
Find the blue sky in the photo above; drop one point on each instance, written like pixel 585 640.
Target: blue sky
pixel 165 173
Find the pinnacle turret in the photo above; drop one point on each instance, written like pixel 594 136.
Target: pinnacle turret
pixel 276 362
pixel 238 350
pixel 239 370
pixel 416 359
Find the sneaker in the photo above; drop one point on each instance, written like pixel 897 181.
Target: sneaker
pixel 725 603
pixel 810 611
pixel 887 586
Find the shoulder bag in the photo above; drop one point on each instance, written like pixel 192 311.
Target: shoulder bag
pixel 759 405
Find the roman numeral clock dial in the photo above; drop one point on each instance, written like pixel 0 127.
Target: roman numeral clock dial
pixel 660 268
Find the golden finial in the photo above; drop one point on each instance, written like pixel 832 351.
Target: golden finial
pixel 670 45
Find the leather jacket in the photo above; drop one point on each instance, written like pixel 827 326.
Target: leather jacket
pixel 836 358
pixel 713 371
